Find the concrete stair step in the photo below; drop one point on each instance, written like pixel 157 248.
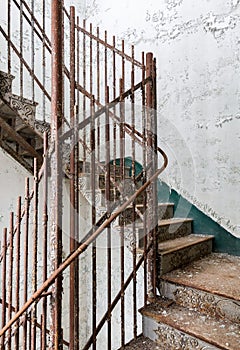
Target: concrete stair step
pixel 142 343
pixel 210 285
pixel 181 251
pixel 169 229
pixel 174 327
pixel 165 211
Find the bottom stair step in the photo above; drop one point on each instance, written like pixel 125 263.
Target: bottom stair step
pixel 177 328
pixel 210 285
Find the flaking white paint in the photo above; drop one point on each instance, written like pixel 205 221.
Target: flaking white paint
pixel 197 49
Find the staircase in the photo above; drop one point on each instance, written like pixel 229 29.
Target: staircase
pixel 21 135
pixel 82 289
pixel 198 306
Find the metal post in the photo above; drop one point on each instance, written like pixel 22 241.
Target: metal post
pixel 151 131
pixel 56 170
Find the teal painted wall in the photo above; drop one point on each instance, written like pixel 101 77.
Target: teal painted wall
pixel 224 242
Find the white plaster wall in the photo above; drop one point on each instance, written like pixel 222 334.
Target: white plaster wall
pixel 196 44
pixel 12 185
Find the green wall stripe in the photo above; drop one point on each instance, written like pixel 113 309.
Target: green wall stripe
pixel 224 241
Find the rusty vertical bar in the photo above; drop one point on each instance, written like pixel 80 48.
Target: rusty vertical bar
pixel 155 166
pixel 72 182
pixel 77 235
pixel 34 255
pixel 84 96
pixel 91 61
pixel 114 111
pixel 94 250
pixel 3 283
pixel 98 96
pixel 9 35
pixel 145 238
pixel 21 47
pixel 44 57
pixel 78 61
pixel 108 196
pixel 93 187
pixel 10 277
pixel 122 176
pixel 134 203
pixel 32 49
pixel 56 171
pixel 45 242
pixel 150 163
pixel 77 287
pixel 25 258
pixel 122 173
pixel 17 269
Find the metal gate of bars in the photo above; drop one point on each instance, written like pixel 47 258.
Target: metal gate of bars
pixel 77 260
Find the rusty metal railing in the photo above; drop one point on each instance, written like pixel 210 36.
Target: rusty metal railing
pixel 95 197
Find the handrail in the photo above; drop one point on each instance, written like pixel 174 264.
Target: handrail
pixel 83 245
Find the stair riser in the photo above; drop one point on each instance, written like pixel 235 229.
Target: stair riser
pixel 167 232
pixel 181 257
pixel 206 303
pixel 164 212
pixel 172 339
pixel 173 231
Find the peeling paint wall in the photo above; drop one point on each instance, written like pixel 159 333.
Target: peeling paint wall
pixel 196 44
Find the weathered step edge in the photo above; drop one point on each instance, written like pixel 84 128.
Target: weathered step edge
pixel 201 301
pixel 167 323
pixel 185 250
pixel 170 229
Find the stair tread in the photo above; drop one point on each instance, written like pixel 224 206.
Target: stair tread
pixel 215 273
pixel 163 205
pixel 172 245
pixel 221 333
pixel 142 343
pixel 173 221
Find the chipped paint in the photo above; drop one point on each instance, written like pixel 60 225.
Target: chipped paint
pixel 197 48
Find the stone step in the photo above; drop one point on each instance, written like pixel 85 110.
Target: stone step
pixel 170 229
pixel 177 328
pixel 15 105
pixel 165 211
pixel 210 285
pixel 181 251
pixel 142 343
